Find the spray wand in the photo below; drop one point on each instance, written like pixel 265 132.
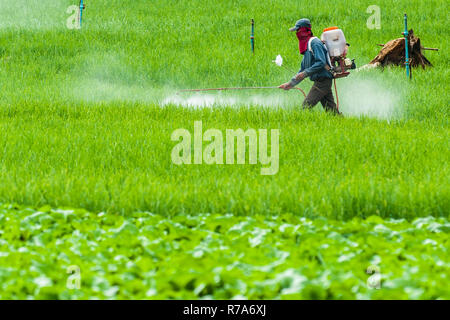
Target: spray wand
pixel 235 88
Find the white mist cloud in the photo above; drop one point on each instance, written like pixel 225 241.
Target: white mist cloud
pixel 105 79
pixel 282 99
pixel 357 97
pixel 368 97
pixel 34 14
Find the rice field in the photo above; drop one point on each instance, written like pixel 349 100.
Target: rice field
pixel 87 178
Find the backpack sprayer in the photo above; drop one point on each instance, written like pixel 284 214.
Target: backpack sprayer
pixel 337 47
pixel 334 41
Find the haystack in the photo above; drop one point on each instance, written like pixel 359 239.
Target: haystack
pixel 393 53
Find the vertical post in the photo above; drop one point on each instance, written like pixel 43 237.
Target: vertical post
pixel 252 37
pixel 405 33
pixel 81 11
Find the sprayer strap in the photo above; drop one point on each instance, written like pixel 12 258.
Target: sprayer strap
pixel 309 44
pixel 326 50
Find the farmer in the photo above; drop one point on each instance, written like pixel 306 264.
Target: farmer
pixel 316 66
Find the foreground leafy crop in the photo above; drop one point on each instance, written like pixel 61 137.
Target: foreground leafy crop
pixel 219 256
pixel 85 123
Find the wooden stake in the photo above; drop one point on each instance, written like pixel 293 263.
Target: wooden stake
pixel 423 48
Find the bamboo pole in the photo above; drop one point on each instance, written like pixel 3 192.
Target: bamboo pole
pixel 423 48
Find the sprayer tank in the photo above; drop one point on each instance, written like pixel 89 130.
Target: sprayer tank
pixel 335 41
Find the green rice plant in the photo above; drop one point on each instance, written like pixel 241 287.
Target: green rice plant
pixel 86 118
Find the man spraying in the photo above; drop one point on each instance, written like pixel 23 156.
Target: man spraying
pixel 316 65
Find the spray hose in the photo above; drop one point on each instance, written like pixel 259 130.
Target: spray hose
pixel 240 88
pixel 337 97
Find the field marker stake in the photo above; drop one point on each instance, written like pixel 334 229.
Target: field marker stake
pixel 406 33
pixel 82 7
pixel 252 36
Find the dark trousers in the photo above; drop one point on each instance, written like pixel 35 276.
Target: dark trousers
pixel 321 92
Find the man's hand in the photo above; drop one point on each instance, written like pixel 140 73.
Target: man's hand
pixel 286 86
pixel 300 77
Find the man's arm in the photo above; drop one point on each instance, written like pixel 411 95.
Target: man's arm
pixel 294 81
pixel 320 61
pixel 298 78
